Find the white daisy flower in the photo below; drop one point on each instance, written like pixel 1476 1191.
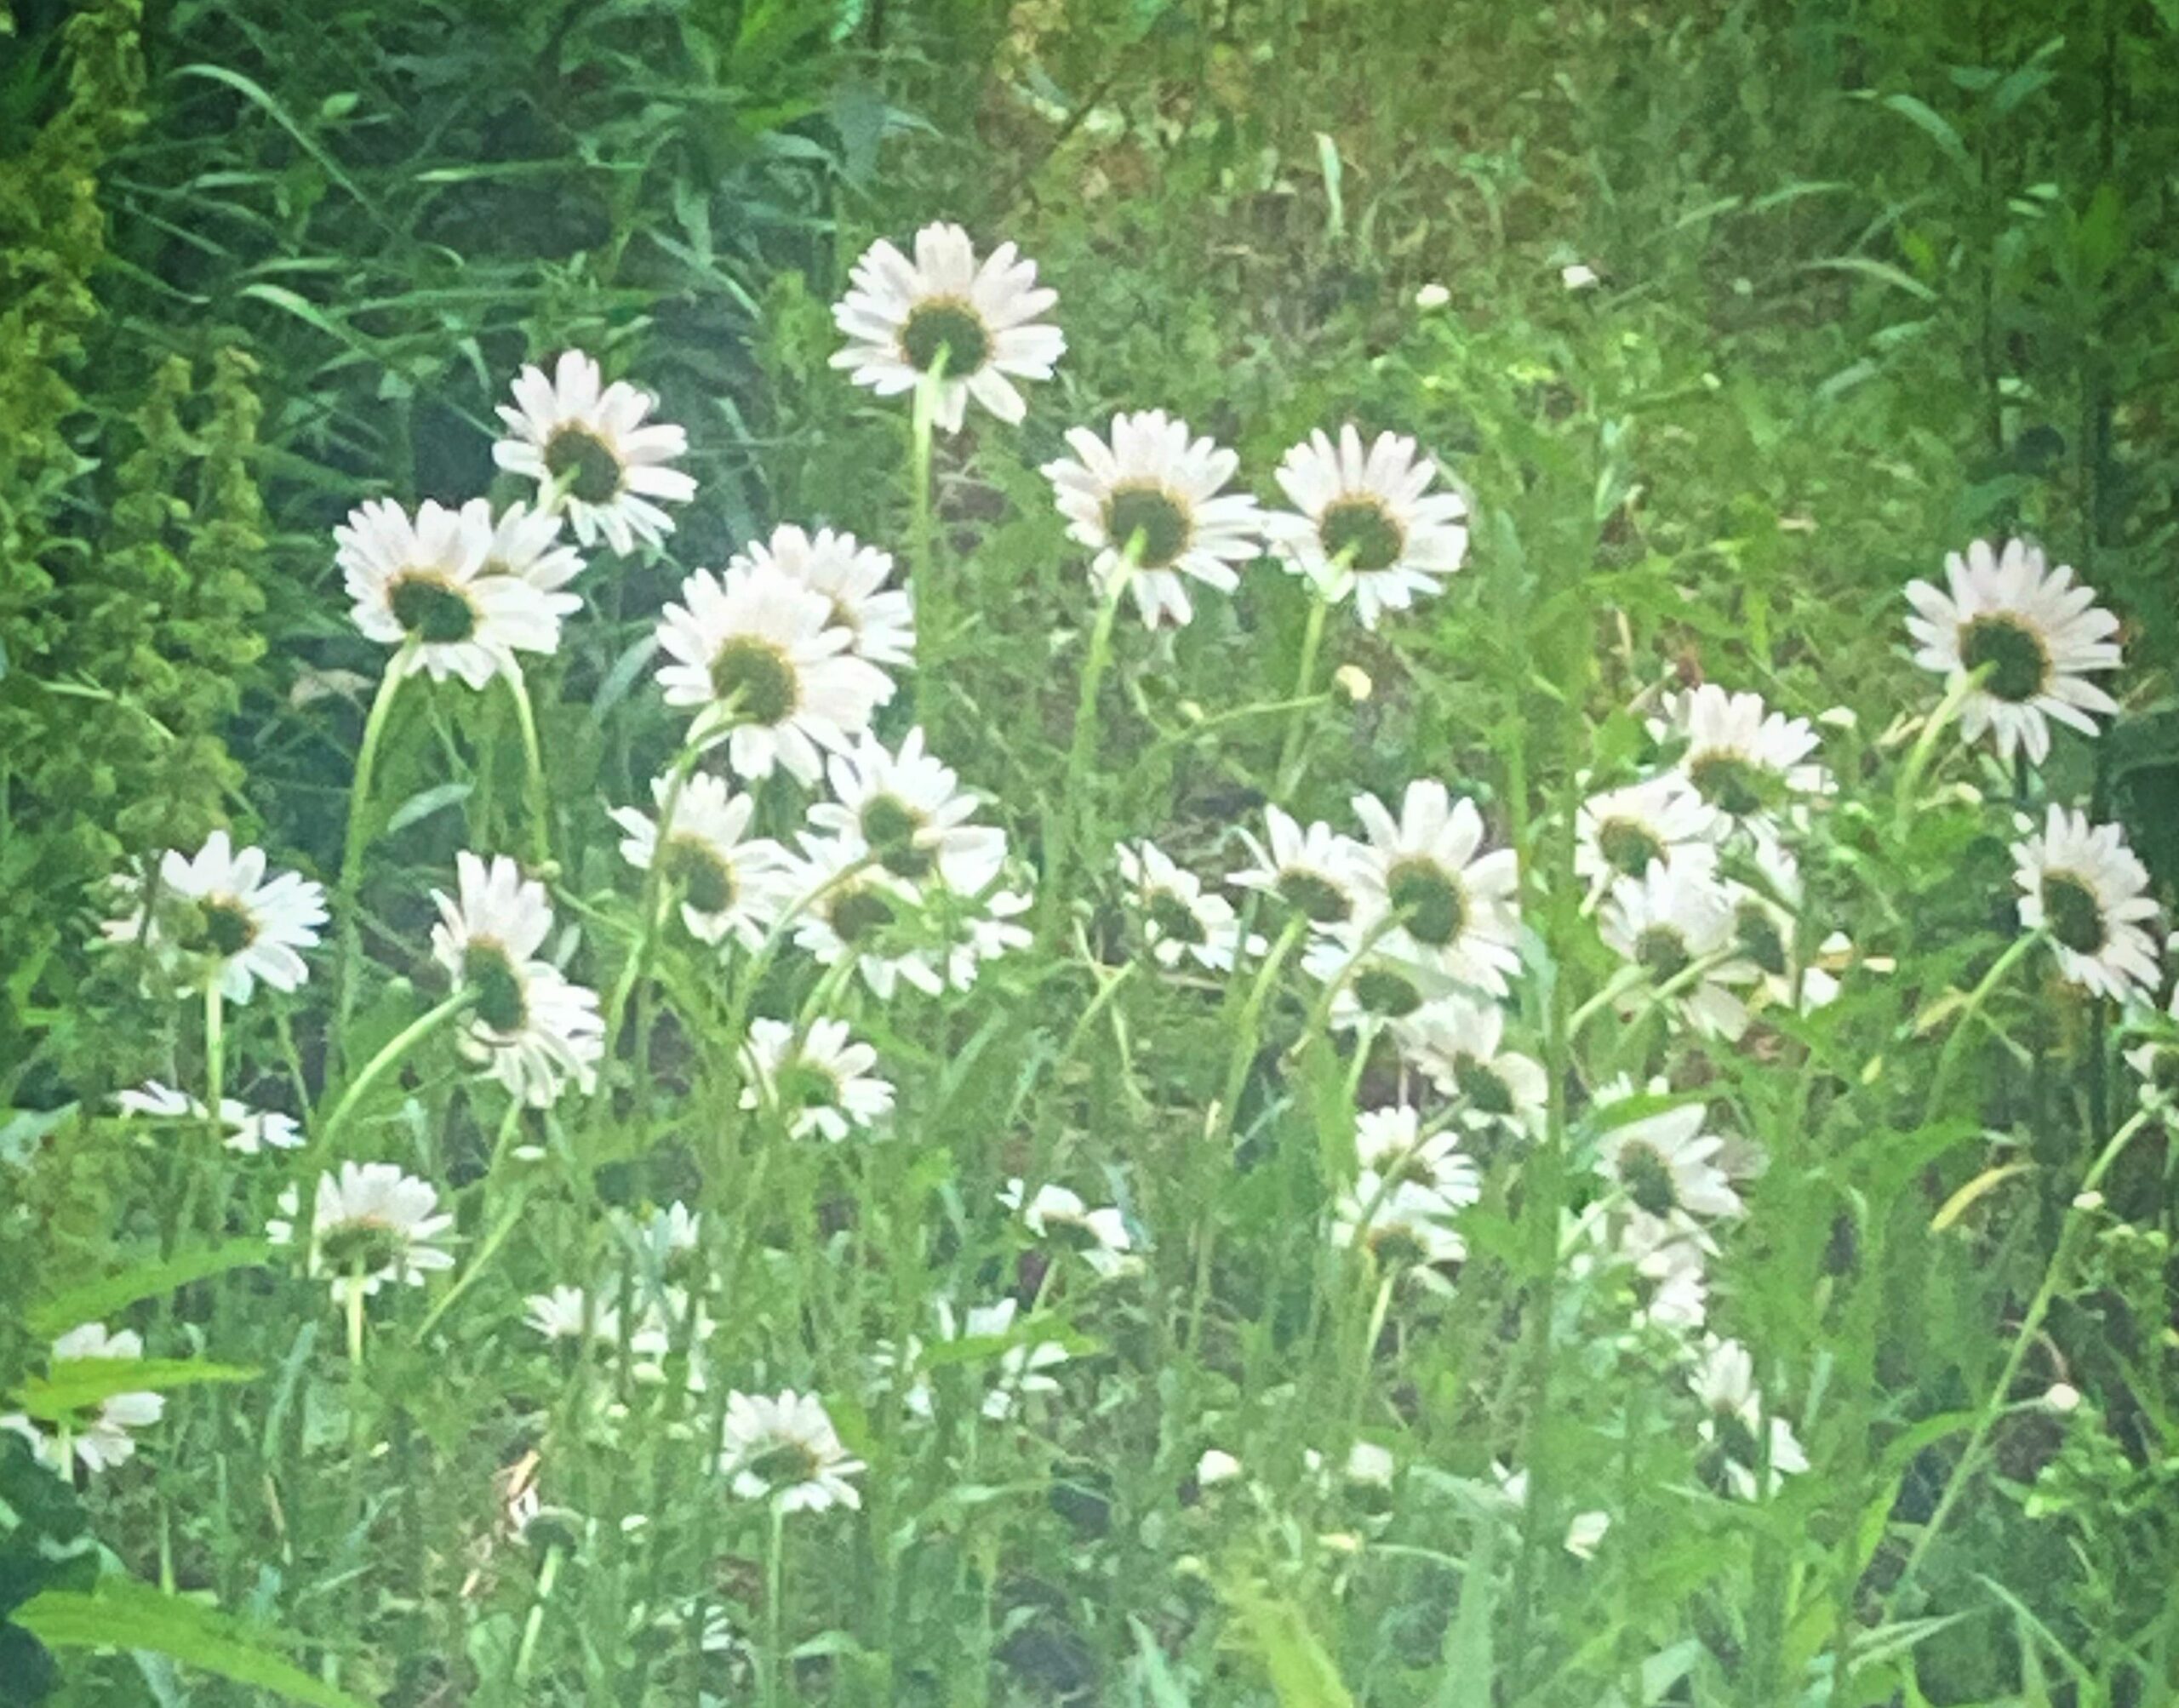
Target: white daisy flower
pixel 2038 635
pixel 1316 872
pixel 99 1436
pixel 1398 1222
pixel 1022 1367
pixel 785 1449
pixel 526 543
pixel 1743 760
pixel 1584 1531
pixel 532 1028
pixel 1724 1383
pixel 844 905
pixel 880 619
pixel 2083 885
pixel 1667 1166
pixel 1666 922
pixel 429 581
pixel 217 918
pixel 910 810
pixel 1459 1045
pixel 247 1130
pixel 370 1223
pixel 1454 906
pixel 1390 1145
pixel 1380 982
pixel 1216 1467
pixel 1662 1270
pixel 758 653
pixel 1621 833
pixel 1367 520
pixel 1179 918
pixel 558 1315
pixel 588 443
pixel 1154 487
pixel 1765 925
pixel 822 1085
pixel 2156 1063
pixel 1058 1214
pixel 901 316
pixel 712 862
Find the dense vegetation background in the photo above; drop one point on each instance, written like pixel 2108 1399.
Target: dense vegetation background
pixel 1875 278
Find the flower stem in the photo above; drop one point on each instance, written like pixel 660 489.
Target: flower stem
pixel 1948 1057
pixel 389 1056
pixel 774 1611
pixel 352 849
pixel 1291 752
pixel 1081 754
pixel 547 1576
pixel 932 621
pixel 535 803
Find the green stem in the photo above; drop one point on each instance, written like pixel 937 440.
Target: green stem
pixel 1081 754
pixel 536 803
pixel 389 1056
pixel 652 910
pixel 352 845
pixel 932 618
pixel 774 1609
pixel 1948 1058
pixel 548 1574
pixel 1291 752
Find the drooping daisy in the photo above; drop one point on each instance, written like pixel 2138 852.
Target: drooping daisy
pixel 1666 1166
pixel 1376 981
pixel 99 1436
pixel 1668 922
pixel 2156 1063
pixel 1621 833
pixel 1663 1272
pixel 902 317
pixel 711 863
pixel 786 1450
pixel 844 905
pixel 909 809
pixel 1732 1427
pixel 881 620
pixel 1747 762
pixel 588 444
pixel 2038 635
pixel 1316 872
pixel 529 1026
pixel 1367 520
pixel 1460 1045
pixel 1058 1214
pixel 1452 904
pixel 247 1130
pixel 428 582
pixel 1154 488
pixel 1389 1144
pixel 1179 918
pixel 370 1223
pixel 757 652
pixel 525 543
pixel 1022 1367
pixel 218 919
pixel 820 1084
pixel 1765 925
pixel 2083 884
pixel 1398 1222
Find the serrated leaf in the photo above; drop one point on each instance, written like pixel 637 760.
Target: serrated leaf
pixel 75 1383
pixel 93 1301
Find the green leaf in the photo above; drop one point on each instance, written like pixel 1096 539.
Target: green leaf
pixel 123 1613
pixel 1302 1674
pixel 426 802
pixel 93 1301
pixel 76 1383
pixel 1933 124
pixel 1883 271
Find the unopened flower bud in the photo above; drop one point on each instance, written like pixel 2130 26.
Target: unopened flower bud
pixel 1351 683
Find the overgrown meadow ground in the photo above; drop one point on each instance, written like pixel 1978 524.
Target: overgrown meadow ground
pixel 723 985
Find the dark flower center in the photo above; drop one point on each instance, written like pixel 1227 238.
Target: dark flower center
pixel 229 927
pixel 2073 914
pixel 1358 532
pixel 784 1464
pixel 1151 515
pixel 361 1246
pixel 948 326
pixel 1428 899
pixel 1757 935
pixel 1483 1086
pixel 1314 896
pixel 587 464
pixel 755 676
pixel 693 867
pixel 430 609
pixel 858 914
pixel 1397 1246
pixel 486 970
pixel 1664 951
pixel 1383 992
pixel 1627 847
pixel 1174 920
pixel 889 825
pixel 2019 663
pixel 1648 1179
pixel 1731 783
pixel 2163 1071
pixel 1072 1233
pixel 803 1084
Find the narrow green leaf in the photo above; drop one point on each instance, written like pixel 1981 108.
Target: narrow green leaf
pixel 93 1301
pixel 75 1383
pixel 1883 271
pixel 426 802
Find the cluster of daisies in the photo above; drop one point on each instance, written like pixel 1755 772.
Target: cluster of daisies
pixel 1407 929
